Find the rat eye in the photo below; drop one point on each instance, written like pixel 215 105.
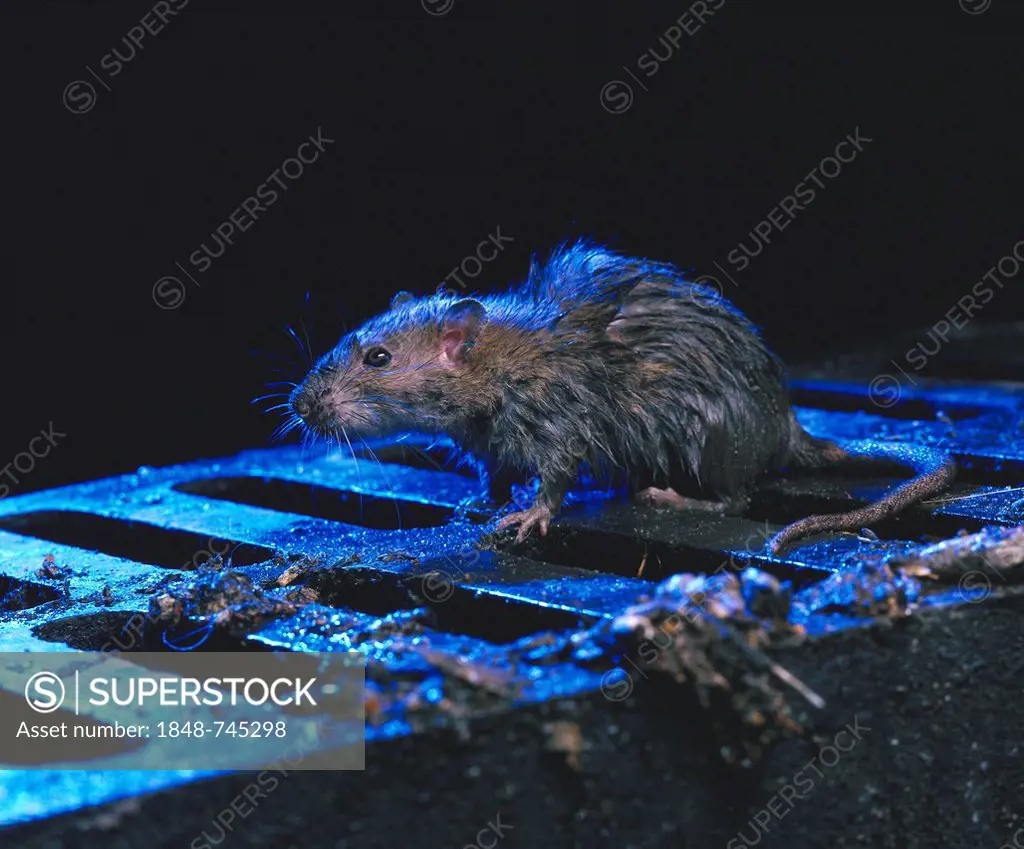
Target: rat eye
pixel 377 357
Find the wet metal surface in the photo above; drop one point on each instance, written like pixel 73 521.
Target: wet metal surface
pixel 389 550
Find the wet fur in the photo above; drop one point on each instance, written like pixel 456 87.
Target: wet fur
pixel 615 363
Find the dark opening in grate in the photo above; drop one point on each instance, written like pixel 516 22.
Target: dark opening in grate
pixel 370 511
pixel 21 595
pixel 908 409
pixel 132 540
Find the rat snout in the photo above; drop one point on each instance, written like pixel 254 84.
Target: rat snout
pixel 308 402
pixel 326 403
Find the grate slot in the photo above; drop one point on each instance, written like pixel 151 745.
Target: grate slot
pixel 365 590
pixel 131 540
pixel 613 553
pixel 504 613
pixel 320 502
pixel 497 618
pixel 21 595
pixel 990 470
pixel 857 400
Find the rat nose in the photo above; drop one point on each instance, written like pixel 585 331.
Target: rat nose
pixel 302 406
pixel 308 403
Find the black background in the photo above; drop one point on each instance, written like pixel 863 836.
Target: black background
pixel 448 127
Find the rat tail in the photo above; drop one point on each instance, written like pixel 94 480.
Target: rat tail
pixel 934 471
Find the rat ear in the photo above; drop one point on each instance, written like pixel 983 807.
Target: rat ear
pixel 401 298
pixel 460 326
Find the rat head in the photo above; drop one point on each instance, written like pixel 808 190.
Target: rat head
pixel 398 372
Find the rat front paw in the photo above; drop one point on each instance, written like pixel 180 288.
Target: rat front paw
pixel 526 519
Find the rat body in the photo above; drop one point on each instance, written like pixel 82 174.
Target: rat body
pixel 620 365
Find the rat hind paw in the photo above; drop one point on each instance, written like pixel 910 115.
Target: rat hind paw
pixel 526 519
pixel 672 500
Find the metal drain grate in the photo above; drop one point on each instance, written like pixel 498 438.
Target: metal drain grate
pixel 400 524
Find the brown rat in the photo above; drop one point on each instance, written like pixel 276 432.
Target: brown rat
pixel 597 361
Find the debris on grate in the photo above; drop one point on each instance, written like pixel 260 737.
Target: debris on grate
pixel 216 597
pixel 994 550
pixel 868 585
pixel 703 634
pixel 301 564
pixel 51 570
pixel 397 556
